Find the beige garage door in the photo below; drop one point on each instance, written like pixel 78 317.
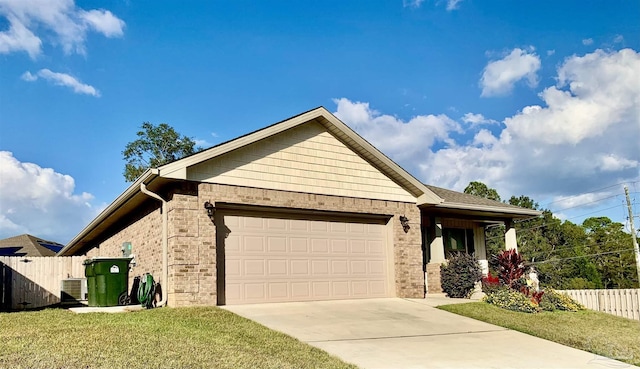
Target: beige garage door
pixel 278 259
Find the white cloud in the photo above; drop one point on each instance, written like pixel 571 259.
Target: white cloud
pixel 583 135
pixel 412 3
pixel 402 140
pixel 550 52
pixel 103 21
pixel 62 79
pixel 618 39
pixel 59 22
pixel 19 38
pixel 40 201
pixel 587 41
pixel 453 4
pixel 477 119
pixel 499 76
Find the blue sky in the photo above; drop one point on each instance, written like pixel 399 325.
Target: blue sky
pixel 537 98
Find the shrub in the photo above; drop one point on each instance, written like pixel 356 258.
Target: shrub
pixel 490 284
pixel 459 276
pixel 512 300
pixel 510 268
pixel 553 300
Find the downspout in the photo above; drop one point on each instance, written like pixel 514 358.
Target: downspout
pixel 165 244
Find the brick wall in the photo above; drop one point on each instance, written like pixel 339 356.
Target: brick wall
pixel 192 236
pixel 192 242
pixel 433 278
pixel 144 231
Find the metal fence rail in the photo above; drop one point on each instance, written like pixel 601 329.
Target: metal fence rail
pixel 622 302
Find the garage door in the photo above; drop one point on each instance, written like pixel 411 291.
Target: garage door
pixel 282 259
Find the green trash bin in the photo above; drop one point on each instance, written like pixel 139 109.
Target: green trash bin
pixel 91 282
pixel 107 281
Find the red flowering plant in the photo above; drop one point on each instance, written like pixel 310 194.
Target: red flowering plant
pixel 490 284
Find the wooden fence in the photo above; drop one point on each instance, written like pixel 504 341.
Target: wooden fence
pixel 624 302
pixel 34 282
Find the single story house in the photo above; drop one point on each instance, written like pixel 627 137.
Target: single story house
pixel 304 209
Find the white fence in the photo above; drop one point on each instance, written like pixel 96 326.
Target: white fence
pixel 34 282
pixel 624 302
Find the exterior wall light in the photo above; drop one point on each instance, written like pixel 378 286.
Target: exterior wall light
pixel 211 210
pixel 405 223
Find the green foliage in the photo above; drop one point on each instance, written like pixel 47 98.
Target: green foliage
pixel 460 275
pixel 553 300
pixel 509 299
pixel 523 202
pixel 480 189
pixel 155 146
pixel 595 254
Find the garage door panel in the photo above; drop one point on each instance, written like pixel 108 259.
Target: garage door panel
pixel 321 289
pixel 320 267
pixel 359 288
pixel 277 244
pixel 278 268
pixel 340 289
pixel 255 291
pixel 358 246
pixel 253 244
pixel 299 244
pixel 320 246
pixel 300 290
pixel 281 259
pixel 279 290
pixel 339 267
pixel 299 268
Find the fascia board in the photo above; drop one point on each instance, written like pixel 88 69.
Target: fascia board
pixel 492 209
pixel 119 201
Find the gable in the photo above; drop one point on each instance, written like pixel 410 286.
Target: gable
pixel 305 158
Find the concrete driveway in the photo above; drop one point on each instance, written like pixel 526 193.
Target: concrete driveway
pixel 408 333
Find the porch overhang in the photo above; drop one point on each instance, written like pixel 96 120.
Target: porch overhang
pixel 479 213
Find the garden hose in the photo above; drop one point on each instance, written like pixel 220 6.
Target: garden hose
pixel 147 291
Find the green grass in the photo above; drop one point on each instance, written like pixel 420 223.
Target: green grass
pixel 599 333
pixel 199 337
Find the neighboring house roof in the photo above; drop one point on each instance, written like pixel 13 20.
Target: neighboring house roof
pixel 455 202
pixel 28 245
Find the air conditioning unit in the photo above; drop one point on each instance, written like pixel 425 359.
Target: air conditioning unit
pixel 73 290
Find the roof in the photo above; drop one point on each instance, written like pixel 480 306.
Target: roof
pixel 155 178
pixel 455 201
pixel 28 245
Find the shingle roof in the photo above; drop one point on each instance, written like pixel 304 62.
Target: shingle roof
pixel 28 245
pixel 460 198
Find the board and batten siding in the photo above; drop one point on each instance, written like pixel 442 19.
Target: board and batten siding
pixel 303 159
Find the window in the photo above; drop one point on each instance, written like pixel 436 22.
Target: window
pixel 458 240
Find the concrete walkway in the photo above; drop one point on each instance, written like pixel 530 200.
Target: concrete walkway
pixel 411 333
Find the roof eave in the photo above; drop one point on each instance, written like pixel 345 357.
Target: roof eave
pixel 490 209
pixel 109 210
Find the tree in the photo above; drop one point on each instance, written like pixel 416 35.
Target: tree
pixel 155 146
pixel 480 189
pixel 523 202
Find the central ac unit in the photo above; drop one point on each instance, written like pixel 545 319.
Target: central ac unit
pixel 73 290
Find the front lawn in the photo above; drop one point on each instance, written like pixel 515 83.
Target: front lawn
pixel 202 337
pixel 599 333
